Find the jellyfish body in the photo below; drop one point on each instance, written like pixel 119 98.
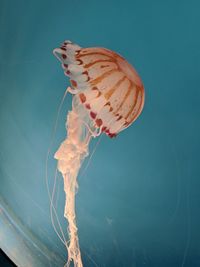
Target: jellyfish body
pixel 108 96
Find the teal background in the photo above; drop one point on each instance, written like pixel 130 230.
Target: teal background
pixel 138 201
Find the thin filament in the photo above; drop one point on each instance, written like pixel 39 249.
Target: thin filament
pixel 52 209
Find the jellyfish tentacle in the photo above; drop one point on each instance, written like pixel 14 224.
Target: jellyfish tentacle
pixel 51 196
pixel 70 155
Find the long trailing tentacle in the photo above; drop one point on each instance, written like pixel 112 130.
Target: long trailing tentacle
pixel 70 156
pixel 51 196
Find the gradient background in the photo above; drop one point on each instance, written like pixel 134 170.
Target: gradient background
pixel 138 202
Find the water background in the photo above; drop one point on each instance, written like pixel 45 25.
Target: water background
pixel 138 202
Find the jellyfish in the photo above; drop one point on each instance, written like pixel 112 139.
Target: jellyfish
pixel 107 97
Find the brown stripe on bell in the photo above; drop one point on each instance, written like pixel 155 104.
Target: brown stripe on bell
pixel 82 97
pixel 103 76
pixel 64 56
pixel 86 73
pixel 87 105
pixel 99 122
pixel 63 48
pixel 93 114
pixel 96 89
pixel 137 107
pixel 73 83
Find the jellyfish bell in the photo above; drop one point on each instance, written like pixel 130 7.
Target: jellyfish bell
pixel 105 84
pixel 108 96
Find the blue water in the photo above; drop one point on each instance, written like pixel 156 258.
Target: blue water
pixel 138 202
